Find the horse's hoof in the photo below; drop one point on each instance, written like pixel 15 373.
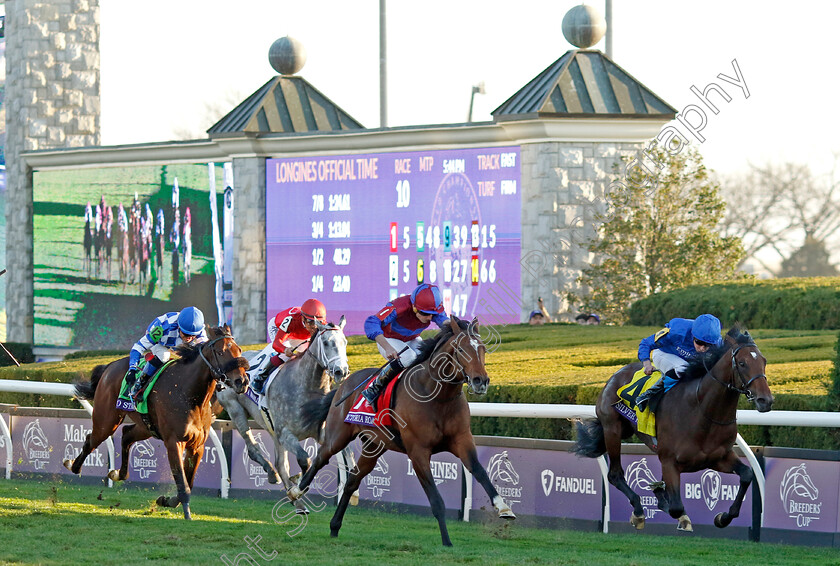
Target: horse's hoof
pixel 273 478
pixel 161 501
pixel 302 511
pixel 114 475
pixel 354 499
pixel 506 513
pixel 294 493
pixel 295 479
pixel 721 521
pixel 333 534
pixel 685 524
pixel 637 521
pixel 68 464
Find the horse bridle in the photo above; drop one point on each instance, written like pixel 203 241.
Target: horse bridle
pixel 323 363
pixel 465 378
pixel 729 386
pixel 217 373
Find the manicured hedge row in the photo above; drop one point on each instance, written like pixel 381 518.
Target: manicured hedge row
pixel 791 303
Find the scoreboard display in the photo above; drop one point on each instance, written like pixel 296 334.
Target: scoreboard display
pixel 356 231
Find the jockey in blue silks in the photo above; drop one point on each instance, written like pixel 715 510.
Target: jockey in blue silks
pixel 164 333
pixel 670 349
pixel 398 325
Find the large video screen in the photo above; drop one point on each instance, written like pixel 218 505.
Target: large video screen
pixel 356 231
pixel 116 247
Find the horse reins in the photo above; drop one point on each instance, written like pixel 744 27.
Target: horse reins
pixel 728 385
pixel 217 374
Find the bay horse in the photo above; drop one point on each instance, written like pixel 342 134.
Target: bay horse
pixel 179 408
pixel 303 378
pixel 695 425
pixel 432 413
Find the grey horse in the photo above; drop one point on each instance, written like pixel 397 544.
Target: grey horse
pixel 299 380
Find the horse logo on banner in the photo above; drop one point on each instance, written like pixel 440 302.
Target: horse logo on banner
pixel 710 487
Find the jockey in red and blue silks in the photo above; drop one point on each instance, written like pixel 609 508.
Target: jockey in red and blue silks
pixel 398 325
pixel 287 330
pixel 164 333
pixel 670 349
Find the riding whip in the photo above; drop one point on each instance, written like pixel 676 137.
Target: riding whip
pixel 366 381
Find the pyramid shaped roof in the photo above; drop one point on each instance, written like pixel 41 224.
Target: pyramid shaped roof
pixel 583 83
pixel 285 104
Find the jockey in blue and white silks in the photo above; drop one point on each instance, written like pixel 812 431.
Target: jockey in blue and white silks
pixel 670 349
pixel 164 333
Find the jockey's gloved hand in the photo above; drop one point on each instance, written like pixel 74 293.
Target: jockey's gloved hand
pixel 131 375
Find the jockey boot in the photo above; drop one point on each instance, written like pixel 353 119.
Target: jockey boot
pixel 385 376
pixel 259 382
pixel 142 380
pixel 646 397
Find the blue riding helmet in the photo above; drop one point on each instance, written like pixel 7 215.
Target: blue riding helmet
pixel 706 328
pixel 191 321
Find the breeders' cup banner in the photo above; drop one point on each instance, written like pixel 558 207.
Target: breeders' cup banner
pixel 247 474
pixel 41 444
pixel 546 483
pixel 394 480
pixel 360 230
pixel 115 247
pixel 704 494
pixel 802 495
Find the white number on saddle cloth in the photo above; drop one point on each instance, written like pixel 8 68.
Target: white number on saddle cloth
pixel 259 361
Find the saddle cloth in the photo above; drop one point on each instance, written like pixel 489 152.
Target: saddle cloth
pixel 643 421
pixel 363 414
pixel 141 406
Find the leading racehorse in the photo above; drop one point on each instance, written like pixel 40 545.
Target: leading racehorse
pixel 431 415
pixel 695 425
pixel 179 408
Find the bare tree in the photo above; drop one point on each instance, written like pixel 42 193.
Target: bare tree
pixel 213 111
pixel 780 207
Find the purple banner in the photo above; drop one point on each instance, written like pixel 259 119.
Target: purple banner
pixel 802 495
pixel 247 474
pixel 704 494
pixel 360 230
pixel 541 482
pixel 41 444
pixel 394 480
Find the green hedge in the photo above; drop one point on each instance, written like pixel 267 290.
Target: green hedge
pixel 791 303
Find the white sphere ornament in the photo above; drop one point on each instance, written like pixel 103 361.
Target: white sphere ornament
pixel 287 55
pixel 584 26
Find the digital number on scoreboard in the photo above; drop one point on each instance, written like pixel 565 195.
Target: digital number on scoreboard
pixel 356 231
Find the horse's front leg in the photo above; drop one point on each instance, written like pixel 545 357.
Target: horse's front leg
pixel 175 452
pixel 732 464
pixel 240 420
pixel 131 433
pixel 192 458
pixel 421 459
pixel 675 508
pixel 466 452
pixel 281 462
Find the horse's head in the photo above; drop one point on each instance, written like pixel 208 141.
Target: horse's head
pixel 225 360
pixel 748 366
pixel 466 353
pixel 329 346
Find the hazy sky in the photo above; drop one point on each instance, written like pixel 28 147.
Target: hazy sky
pixel 216 53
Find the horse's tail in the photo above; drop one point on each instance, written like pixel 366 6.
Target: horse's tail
pixel 590 442
pixel 314 412
pixel 86 389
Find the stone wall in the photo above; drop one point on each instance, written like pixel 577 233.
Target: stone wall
pixel 52 96
pixel 563 188
pixel 249 292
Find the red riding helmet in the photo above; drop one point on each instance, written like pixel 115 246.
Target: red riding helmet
pixel 427 299
pixel 313 309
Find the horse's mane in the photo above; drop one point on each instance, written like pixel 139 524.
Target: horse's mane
pixel 699 365
pixel 429 345
pixel 189 352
